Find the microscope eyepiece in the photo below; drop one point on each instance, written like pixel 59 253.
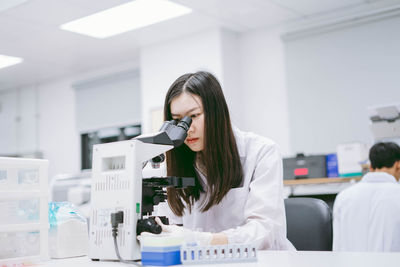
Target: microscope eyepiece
pixel 185 123
pixel 158 159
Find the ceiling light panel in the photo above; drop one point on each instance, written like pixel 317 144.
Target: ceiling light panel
pixel 6 61
pixel 126 17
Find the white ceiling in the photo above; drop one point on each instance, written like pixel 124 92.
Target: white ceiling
pixel 31 30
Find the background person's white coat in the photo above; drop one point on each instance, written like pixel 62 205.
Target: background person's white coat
pixel 366 216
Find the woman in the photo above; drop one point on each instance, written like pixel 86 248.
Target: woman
pixel 238 192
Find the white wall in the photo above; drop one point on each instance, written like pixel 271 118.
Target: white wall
pixel 215 51
pixel 162 63
pixel 18 118
pixel 231 76
pixel 58 135
pixel 264 103
pixel 27 124
pixel 42 118
pixel 8 122
pixel 334 76
pixel 110 101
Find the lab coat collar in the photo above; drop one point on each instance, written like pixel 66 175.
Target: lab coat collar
pixel 378 177
pixel 239 141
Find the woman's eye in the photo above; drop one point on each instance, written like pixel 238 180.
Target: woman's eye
pixel 194 115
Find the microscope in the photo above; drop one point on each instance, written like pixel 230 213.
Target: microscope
pixel 121 200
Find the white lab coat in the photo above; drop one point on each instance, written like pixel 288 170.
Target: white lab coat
pixel 253 213
pixel 366 216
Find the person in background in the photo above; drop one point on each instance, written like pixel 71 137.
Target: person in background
pixel 238 194
pixel 366 216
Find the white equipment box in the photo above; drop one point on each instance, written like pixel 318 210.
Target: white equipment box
pixel 24 210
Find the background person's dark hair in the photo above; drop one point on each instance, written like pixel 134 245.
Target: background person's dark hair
pixel 384 155
pixel 221 160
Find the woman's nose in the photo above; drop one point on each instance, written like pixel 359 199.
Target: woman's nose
pixel 191 129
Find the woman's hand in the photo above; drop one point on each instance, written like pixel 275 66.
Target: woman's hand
pixel 201 238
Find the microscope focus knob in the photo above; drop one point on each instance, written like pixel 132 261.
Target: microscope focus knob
pixel 148 225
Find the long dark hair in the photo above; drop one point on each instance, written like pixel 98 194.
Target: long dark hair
pixel 221 157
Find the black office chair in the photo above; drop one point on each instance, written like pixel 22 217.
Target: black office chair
pixel 309 223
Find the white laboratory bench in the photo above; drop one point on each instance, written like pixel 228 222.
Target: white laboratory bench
pixel 273 259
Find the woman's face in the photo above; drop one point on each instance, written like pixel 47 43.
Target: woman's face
pixel 187 104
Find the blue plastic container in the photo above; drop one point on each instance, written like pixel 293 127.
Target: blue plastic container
pixel 332 165
pixel 161 256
